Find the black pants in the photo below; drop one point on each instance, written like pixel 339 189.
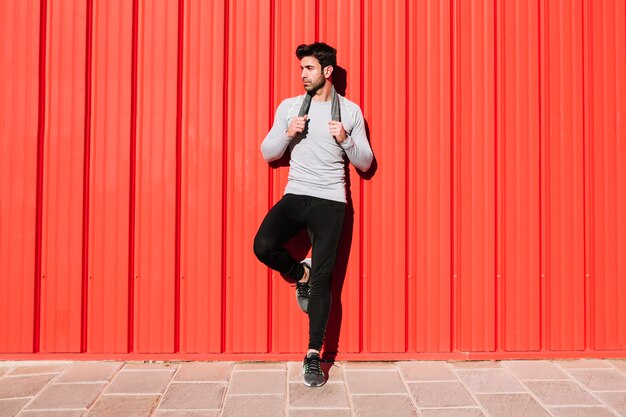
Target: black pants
pixel 323 219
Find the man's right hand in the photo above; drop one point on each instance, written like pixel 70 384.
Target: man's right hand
pixel 297 125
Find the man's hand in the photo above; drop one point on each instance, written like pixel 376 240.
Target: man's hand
pixel 337 131
pixel 297 125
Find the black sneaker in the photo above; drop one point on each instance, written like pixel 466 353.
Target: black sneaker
pixel 312 371
pixel 303 288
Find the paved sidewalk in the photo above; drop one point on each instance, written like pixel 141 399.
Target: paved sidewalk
pixel 568 388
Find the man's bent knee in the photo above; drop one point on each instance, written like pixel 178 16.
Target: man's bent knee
pixel 263 248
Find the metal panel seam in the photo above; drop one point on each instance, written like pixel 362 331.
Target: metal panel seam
pixel 41 120
pixel 224 171
pixel 133 167
pixel 496 229
pixel 86 170
pixel 586 289
pixel 407 143
pixel 317 20
pixel 270 177
pixel 454 128
pixel 361 182
pixel 177 222
pixel 540 63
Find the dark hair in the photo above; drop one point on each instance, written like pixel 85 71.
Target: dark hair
pixel 325 54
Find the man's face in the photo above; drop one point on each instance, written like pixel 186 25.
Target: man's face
pixel 312 75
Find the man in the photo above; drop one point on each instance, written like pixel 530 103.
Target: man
pixel 320 128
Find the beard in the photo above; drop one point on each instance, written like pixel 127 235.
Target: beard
pixel 313 87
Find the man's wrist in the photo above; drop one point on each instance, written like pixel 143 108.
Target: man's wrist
pixel 347 142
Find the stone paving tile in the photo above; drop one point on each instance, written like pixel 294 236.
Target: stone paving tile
pixel 140 382
pixel 582 363
pixel 261 382
pixel 202 395
pixel 561 393
pixel 369 365
pixel 452 412
pixel 204 371
pixel 526 370
pixel 194 413
pixel 124 405
pixel 50 413
pixel 494 381
pixel 150 366
pixel 10 407
pixel 38 369
pixel 476 365
pixel 620 364
pixel 66 396
pixel 374 382
pixel 441 394
pixel 327 396
pixel 4 370
pixel 333 371
pixel 601 379
pixel 511 405
pixel 90 371
pixel 256 366
pixel 581 412
pixel 427 371
pixel 23 386
pixel 307 412
pixel 383 405
pixel 254 405
pixel 617 400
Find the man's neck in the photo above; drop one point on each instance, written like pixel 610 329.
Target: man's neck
pixel 323 94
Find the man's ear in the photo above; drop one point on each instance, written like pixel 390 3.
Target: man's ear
pixel 328 70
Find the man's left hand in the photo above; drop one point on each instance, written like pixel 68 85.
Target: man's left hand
pixel 337 131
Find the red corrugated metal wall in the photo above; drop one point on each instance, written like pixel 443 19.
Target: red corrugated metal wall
pixel 131 181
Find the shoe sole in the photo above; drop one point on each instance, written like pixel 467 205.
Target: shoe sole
pixel 304 307
pixel 314 385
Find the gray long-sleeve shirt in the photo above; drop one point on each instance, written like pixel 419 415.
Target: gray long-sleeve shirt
pixel 317 161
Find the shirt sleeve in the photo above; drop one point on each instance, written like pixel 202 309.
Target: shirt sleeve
pixel 276 141
pixel 356 145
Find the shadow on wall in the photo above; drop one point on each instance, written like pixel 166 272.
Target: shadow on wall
pixel 300 245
